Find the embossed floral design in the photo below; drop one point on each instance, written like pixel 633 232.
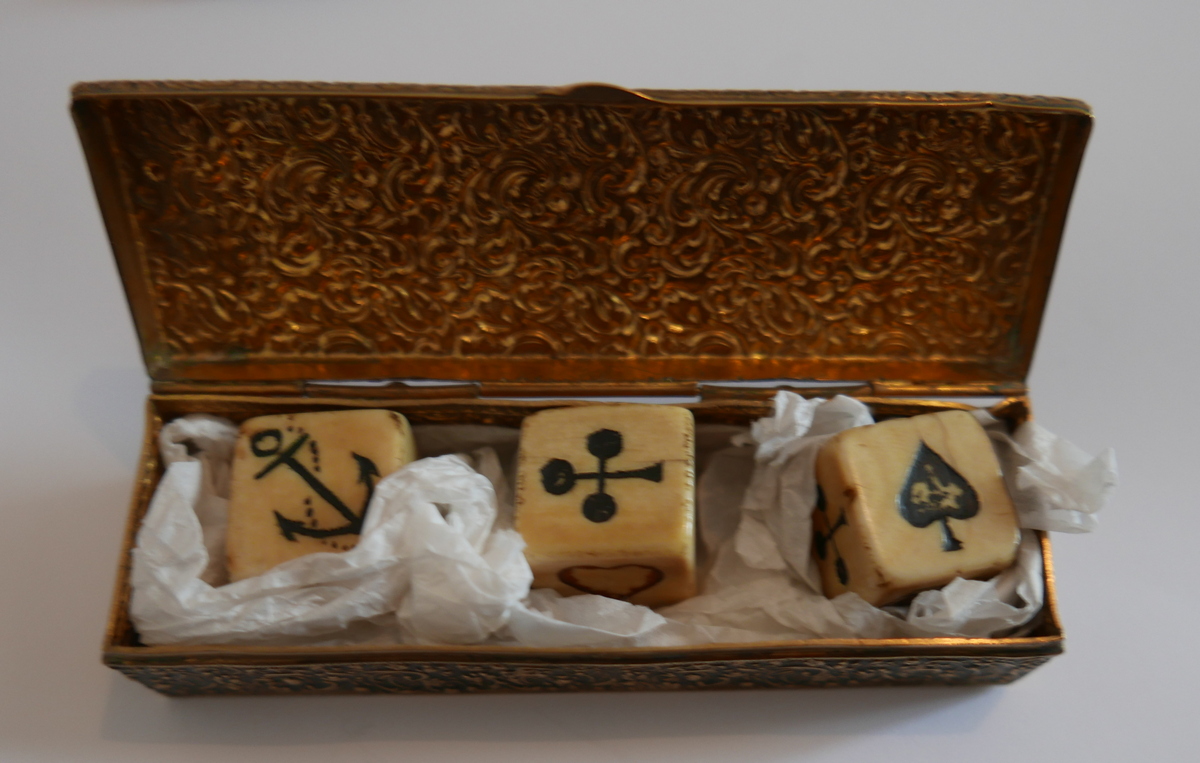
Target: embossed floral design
pixel 305 226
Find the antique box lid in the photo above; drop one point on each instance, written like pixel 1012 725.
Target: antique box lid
pixel 296 231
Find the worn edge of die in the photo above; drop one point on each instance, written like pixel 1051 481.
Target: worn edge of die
pixel 685 416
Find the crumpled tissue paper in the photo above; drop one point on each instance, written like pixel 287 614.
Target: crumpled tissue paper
pixel 431 565
pixel 439 562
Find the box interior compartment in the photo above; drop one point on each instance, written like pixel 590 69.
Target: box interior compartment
pixel 187 669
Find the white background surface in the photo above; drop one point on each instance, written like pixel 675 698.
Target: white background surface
pixel 1116 365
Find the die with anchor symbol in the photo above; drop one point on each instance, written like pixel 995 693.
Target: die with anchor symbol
pixel 301 483
pixel 605 501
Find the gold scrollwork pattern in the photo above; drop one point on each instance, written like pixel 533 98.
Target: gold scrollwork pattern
pixel 454 678
pixel 317 225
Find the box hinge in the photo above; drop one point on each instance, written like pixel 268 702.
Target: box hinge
pixel 865 389
pixel 588 389
pixel 947 389
pixel 731 392
pixel 391 390
pixel 400 390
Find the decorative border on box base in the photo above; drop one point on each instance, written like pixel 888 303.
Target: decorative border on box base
pixel 455 678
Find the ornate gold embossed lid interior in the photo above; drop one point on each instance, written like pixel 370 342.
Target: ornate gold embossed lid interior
pixel 291 231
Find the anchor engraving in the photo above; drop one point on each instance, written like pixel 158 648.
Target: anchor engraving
pixel 559 476
pixel 367 472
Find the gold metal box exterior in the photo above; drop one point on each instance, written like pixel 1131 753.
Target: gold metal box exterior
pixel 529 242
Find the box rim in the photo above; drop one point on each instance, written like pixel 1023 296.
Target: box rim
pixel 584 91
pixel 119 655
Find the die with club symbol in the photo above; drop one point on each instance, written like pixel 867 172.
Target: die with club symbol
pixel 605 501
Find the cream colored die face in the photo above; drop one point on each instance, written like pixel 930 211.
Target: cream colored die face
pixel 605 498
pixel 910 504
pixel 301 481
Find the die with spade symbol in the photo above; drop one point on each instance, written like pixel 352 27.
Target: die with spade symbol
pixel 910 504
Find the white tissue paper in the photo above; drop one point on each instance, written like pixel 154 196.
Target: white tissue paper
pixel 438 561
pixel 1053 484
pixel 431 566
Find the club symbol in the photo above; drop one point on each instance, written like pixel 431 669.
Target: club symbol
pixel 559 476
pixel 823 536
pixel 269 442
pixel 935 492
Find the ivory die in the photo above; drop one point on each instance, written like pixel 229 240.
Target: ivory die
pixel 301 483
pixel 605 501
pixel 910 504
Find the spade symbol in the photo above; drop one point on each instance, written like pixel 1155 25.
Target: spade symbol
pixel 935 492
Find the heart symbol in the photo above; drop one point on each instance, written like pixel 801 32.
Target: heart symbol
pixel 619 582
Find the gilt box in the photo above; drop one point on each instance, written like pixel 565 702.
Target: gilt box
pixel 526 247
